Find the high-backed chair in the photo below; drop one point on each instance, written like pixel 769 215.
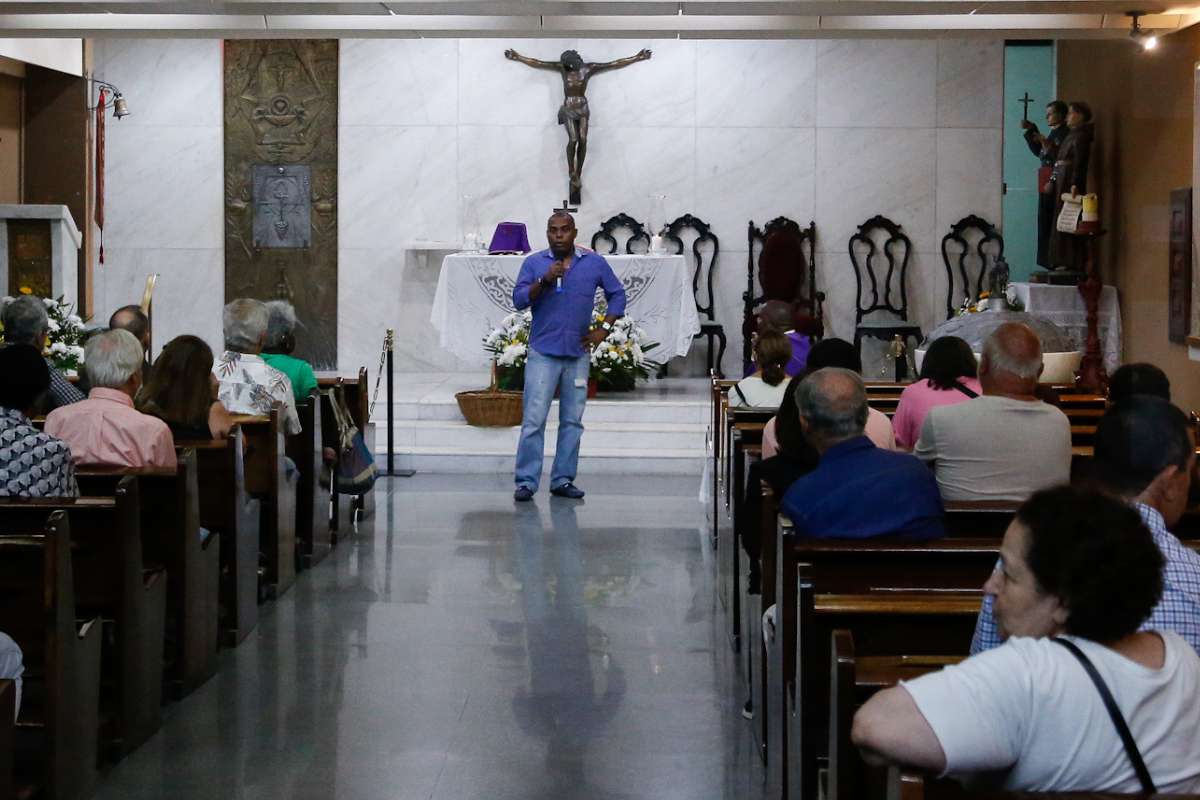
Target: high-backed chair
pixel 609 228
pixel 705 249
pixel 971 248
pixel 886 291
pixel 781 265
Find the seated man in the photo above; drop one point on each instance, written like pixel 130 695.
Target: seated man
pixel 32 463
pixel 857 490
pixel 1006 444
pixel 250 385
pixel 1144 455
pixel 25 322
pixel 1079 575
pixel 12 666
pixel 105 429
pixel 134 320
pixel 278 347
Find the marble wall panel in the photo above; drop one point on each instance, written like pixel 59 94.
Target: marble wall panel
pixel 396 184
pixel 862 172
pixel 658 92
pixel 517 174
pixel 173 82
pixel 876 83
pixel 753 174
pixel 495 91
pixel 399 82
pixel 970 83
pixel 188 296
pixel 968 176
pixel 756 84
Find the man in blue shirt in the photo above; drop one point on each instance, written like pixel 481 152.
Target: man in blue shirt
pixel 560 285
pixel 857 490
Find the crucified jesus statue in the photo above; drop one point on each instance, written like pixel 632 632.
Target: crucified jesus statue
pixel 574 113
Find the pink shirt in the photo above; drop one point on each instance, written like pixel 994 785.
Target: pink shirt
pixel 915 402
pixel 106 430
pixel 878 430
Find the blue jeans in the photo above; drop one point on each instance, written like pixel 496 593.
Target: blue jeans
pixel 542 375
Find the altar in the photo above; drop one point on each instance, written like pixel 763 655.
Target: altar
pixel 474 293
pixel 1064 306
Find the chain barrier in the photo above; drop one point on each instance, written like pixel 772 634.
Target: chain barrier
pixel 388 343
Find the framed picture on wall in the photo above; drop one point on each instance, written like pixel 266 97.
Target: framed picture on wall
pixel 1179 282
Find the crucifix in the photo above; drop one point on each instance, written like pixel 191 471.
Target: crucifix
pixel 1025 100
pixel 574 113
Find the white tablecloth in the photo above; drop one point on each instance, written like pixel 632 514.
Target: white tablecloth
pixel 1063 305
pixel 474 292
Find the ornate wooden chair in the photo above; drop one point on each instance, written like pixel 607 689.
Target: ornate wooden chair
pixel 609 228
pixel 705 249
pixel 866 257
pixel 972 247
pixel 781 265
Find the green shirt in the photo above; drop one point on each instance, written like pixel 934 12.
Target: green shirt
pixel 304 382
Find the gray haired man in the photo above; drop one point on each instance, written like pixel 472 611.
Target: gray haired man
pixel 249 385
pixel 1005 444
pixel 25 322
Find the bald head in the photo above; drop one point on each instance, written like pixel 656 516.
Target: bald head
pixel 1011 361
pixel 777 315
pixel 134 320
pixel 833 406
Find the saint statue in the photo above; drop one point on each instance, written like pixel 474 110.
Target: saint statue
pixel 1045 147
pixel 1070 176
pixel 574 113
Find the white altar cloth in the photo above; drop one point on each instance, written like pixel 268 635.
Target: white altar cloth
pixel 474 292
pixel 1063 305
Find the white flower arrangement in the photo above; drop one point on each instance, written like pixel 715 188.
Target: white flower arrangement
pixel 64 335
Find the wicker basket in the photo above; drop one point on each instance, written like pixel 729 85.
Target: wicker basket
pixel 490 408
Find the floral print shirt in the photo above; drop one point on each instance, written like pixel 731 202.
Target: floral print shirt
pixel 250 386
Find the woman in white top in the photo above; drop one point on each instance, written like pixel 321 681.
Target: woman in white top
pixel 765 388
pixel 1075 566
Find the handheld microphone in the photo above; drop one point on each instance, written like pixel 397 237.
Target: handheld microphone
pixel 558 285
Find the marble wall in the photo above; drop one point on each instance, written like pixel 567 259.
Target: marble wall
pixel 835 131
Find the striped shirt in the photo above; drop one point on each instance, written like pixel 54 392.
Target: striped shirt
pixel 1178 610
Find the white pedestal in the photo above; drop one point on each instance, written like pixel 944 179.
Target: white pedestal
pixel 65 242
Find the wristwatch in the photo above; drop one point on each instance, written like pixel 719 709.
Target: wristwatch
pixel 606 325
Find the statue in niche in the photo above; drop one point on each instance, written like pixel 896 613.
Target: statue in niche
pixel 574 113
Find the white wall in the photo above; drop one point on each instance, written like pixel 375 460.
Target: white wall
pixel 64 55
pixel 835 131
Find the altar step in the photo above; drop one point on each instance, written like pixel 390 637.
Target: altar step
pixel 658 430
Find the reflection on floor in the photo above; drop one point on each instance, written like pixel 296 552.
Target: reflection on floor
pixel 470 647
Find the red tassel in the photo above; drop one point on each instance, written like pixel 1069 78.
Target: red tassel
pixel 100 169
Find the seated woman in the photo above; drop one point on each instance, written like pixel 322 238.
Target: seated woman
pixel 947 377
pixel 278 347
pixel 182 391
pixel 1078 574
pixel 765 388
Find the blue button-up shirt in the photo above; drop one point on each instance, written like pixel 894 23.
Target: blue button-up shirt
pixel 561 319
pixel 859 490
pixel 1178 610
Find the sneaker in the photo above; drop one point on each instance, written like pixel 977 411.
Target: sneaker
pixel 523 494
pixel 568 490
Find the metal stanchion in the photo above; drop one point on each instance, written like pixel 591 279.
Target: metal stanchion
pixel 385 361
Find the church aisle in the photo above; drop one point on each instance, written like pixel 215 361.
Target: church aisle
pixel 476 648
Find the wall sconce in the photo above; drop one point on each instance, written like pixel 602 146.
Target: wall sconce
pixel 120 105
pixel 1147 40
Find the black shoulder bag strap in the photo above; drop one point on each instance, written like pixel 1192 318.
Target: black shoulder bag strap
pixel 738 389
pixel 968 391
pixel 1131 748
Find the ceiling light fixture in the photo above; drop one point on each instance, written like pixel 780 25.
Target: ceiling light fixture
pixel 1147 40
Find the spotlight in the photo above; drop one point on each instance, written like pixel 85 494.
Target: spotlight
pixel 1148 41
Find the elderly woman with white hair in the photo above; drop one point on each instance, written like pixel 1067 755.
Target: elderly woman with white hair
pixel 280 342
pixel 106 429
pixel 248 384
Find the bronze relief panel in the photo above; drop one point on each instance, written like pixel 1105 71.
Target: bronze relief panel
pixel 281 182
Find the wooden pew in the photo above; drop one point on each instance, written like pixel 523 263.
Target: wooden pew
pixel 312 498
pixel 172 536
pixel 227 509
pixel 342 507
pixel 60 715
pixel 347 509
pixel 112 580
pixel 922 623
pixel 267 480
pixel 904 784
pixel 8 711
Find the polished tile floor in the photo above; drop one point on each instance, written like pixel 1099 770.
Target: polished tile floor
pixel 470 647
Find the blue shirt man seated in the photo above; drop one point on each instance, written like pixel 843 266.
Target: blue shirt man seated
pixel 857 490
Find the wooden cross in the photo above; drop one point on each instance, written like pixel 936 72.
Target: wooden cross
pixel 567 207
pixel 1025 100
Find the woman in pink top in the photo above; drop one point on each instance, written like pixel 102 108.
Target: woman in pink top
pixel 947 378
